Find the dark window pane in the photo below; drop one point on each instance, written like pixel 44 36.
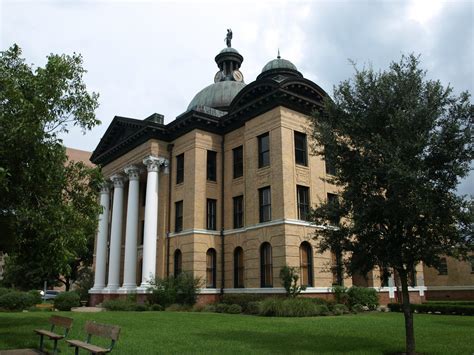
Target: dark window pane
pixel 334 200
pixel 266 266
pixel 263 150
pixel 180 168
pixel 306 264
pixel 330 168
pixel 238 268
pixel 178 261
pixel 178 223
pixel 211 214
pixel 301 155
pixel 211 165
pixel 238 155
pixel 211 268
pixel 238 212
pixel 302 193
pixel 265 204
pixel 443 267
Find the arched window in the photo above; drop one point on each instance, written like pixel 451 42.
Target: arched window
pixel 211 268
pixel 178 262
pixel 266 266
pixel 306 264
pixel 238 268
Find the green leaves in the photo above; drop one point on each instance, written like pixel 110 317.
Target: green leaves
pixel 49 209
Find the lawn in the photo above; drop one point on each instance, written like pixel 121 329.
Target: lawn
pixel 172 332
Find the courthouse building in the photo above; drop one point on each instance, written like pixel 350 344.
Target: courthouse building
pixel 221 192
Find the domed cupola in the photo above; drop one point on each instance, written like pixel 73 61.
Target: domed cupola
pixel 228 81
pixel 279 69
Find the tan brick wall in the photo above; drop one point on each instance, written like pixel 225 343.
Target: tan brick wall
pixel 459 274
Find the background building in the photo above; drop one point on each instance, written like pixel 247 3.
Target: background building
pixel 221 192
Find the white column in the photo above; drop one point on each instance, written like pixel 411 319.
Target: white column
pixel 102 236
pixel 151 220
pixel 131 232
pixel 116 234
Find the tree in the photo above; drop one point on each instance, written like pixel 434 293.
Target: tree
pixel 289 278
pixel 400 144
pixel 49 209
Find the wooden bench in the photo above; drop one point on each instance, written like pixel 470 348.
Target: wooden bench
pixel 102 330
pixel 59 321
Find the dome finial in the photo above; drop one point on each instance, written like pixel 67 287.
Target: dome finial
pixel 228 38
pixel 278 56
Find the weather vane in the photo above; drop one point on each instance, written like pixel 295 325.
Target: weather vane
pixel 228 37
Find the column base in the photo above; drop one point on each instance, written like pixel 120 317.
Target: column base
pixel 96 289
pixel 144 288
pixel 127 289
pixel 111 289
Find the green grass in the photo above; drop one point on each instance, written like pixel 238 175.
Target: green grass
pixel 170 332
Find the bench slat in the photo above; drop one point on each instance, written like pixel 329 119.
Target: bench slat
pixel 89 347
pixel 102 330
pixel 61 321
pixel 49 334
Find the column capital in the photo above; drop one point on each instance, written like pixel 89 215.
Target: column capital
pixel 133 172
pixel 105 187
pixel 154 163
pixel 117 180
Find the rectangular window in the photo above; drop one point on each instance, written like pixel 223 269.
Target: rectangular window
pixel 333 199
pixel 238 161
pixel 301 154
pixel 211 214
pixel 265 203
pixel 330 168
pixel 211 165
pixel 178 219
pixel 443 267
pixel 180 168
pixel 238 211
pixel 302 194
pixel 263 150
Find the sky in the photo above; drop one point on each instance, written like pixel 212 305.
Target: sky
pixel 154 56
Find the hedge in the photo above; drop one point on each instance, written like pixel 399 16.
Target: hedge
pixel 467 310
pixel 17 301
pixel 64 301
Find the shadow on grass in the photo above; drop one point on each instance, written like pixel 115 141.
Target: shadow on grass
pixel 292 341
pixel 13 329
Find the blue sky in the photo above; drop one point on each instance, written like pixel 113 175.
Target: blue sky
pixel 154 56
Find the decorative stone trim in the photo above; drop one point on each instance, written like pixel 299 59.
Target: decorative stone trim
pixel 449 288
pixel 133 172
pixel 117 180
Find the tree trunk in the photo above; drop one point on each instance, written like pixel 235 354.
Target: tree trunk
pixel 67 283
pixel 409 329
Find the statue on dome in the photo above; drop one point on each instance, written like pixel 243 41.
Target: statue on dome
pixel 228 38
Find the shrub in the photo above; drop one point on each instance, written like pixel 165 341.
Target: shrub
pixel 4 291
pixel 64 301
pixel 252 308
pixel 141 307
pixel 357 308
pixel 84 283
pixel 435 308
pixel 339 309
pixel 17 301
pixel 293 307
pixel 156 308
pixel 289 278
pixel 119 305
pixel 209 308
pixel 36 296
pixel 234 309
pixel 182 289
pixel 222 307
pixel 362 295
pixel 242 299
pixel 175 307
pixel 340 294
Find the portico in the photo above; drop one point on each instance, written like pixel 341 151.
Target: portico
pixel 108 267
